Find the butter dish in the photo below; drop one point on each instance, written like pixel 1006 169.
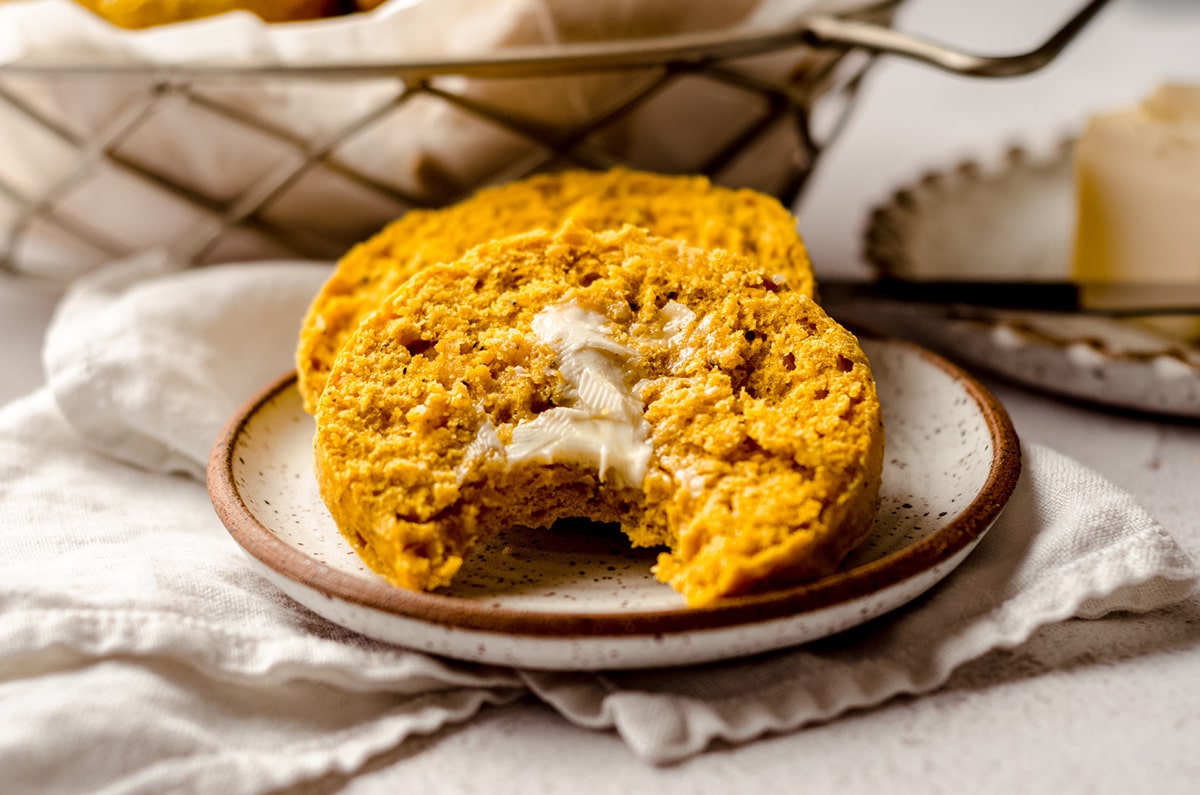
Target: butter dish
pixel 1011 218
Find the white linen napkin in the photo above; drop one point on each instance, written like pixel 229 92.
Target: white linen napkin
pixel 131 624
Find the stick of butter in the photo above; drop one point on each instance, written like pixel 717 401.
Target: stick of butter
pixel 1137 176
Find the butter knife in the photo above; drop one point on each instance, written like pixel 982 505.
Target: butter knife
pixel 1111 299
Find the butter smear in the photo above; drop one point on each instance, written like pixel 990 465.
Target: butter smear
pixel 601 423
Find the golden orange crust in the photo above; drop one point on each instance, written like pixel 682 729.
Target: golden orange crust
pixel 763 419
pixel 688 208
pixel 136 14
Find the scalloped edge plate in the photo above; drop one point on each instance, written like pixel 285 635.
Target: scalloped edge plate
pixel 1013 218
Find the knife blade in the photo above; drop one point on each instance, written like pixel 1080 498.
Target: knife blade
pixel 1111 299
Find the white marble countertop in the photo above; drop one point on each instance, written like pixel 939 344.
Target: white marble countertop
pixel 1108 706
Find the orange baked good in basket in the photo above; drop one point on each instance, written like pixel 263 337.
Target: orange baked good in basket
pixel 148 13
pixel 689 208
pixel 690 395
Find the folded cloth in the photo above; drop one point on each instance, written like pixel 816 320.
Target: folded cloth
pixel 147 369
pixel 142 654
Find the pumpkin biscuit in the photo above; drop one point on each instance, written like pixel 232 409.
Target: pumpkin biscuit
pixel 691 396
pixel 689 208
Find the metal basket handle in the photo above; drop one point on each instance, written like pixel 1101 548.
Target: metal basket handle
pixel 664 59
pixel 818 31
pixel 832 31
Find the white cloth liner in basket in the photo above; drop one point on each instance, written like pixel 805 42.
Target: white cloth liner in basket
pixel 422 148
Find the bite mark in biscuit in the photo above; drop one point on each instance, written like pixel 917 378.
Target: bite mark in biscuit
pixel 762 431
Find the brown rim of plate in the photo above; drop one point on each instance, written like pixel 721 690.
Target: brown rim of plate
pixel 965 529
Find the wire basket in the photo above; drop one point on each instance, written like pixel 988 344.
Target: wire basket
pixel 777 99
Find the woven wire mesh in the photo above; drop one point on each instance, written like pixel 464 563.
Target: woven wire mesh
pixel 773 147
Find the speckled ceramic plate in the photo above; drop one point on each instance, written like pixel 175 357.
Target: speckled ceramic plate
pixel 1013 218
pixel 578 597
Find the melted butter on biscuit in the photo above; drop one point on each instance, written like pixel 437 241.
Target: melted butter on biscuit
pixel 602 423
pixel 676 328
pixel 673 326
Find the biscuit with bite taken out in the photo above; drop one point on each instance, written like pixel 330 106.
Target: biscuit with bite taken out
pixel 689 395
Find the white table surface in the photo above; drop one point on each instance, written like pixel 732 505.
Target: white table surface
pixel 1062 713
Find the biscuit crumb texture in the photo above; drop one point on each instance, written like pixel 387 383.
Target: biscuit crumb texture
pixel 763 428
pixel 688 208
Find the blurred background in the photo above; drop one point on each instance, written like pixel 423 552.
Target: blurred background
pixel 913 119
